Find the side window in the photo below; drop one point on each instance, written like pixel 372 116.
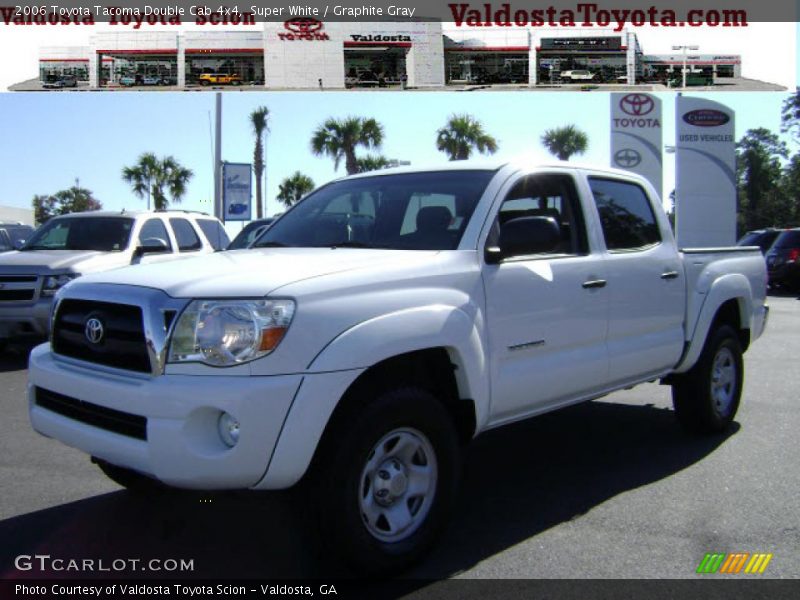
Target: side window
pixel 154 228
pixel 626 216
pixel 185 235
pixel 5 243
pixel 215 233
pixel 547 195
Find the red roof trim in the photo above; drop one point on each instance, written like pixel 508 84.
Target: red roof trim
pixel 153 51
pixel 490 49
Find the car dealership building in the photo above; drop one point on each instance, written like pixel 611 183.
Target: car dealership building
pixel 305 53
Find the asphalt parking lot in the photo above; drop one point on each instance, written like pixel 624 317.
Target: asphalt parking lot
pixel 608 489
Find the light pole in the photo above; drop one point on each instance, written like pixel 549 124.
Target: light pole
pixel 685 50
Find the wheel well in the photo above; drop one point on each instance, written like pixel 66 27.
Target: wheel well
pixel 730 314
pixel 430 369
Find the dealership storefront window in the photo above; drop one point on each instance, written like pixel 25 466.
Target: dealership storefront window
pixel 487 66
pixel 249 67
pixel 49 69
pixel 375 64
pixel 131 69
pixel 605 57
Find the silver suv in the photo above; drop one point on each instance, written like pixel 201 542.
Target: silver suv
pixel 71 245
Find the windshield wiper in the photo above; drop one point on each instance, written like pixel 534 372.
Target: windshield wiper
pixel 270 245
pixel 351 244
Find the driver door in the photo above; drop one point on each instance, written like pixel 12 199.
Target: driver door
pixel 547 313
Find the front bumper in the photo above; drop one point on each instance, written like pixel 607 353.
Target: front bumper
pixel 25 320
pixel 183 447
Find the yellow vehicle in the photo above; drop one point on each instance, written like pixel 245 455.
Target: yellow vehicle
pixel 219 79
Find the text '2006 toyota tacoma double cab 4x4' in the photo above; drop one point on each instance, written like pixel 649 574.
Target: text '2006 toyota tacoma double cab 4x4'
pixel 382 323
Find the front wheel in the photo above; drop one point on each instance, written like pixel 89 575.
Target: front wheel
pixel 707 397
pixel 386 479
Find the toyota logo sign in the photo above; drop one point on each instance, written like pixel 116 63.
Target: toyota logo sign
pixel 303 28
pixel 637 105
pixel 94 330
pixel 303 25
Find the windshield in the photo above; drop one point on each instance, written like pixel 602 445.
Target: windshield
pixel 413 211
pixel 788 239
pixel 106 234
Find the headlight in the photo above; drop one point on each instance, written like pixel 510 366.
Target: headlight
pixel 229 332
pixel 52 283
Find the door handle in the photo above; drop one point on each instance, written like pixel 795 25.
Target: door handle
pixel 670 275
pixel 594 283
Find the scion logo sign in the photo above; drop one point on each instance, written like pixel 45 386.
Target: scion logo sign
pixel 706 117
pixel 637 105
pixel 303 29
pixel 94 330
pixel 627 158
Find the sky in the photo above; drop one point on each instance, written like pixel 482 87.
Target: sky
pixel 53 139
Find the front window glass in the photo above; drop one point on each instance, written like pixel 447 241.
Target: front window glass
pixel 411 211
pixel 104 234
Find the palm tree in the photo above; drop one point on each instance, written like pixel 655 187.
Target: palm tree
pixel 563 142
pixel 157 178
pixel 142 174
pixel 293 188
pixel 372 162
pixel 340 138
pixel 259 119
pixel 463 134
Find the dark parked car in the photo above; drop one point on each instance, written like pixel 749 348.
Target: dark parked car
pixel 250 234
pixel 13 235
pixel 783 260
pixel 763 238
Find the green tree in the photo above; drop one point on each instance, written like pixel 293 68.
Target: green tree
pixel 259 119
pixel 462 135
pixel 293 188
pixel 73 199
pixel 790 115
pixel 373 162
pixel 563 142
pixel 759 172
pixel 340 138
pixel 157 178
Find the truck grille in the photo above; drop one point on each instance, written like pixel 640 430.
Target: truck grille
pixel 17 288
pixel 121 342
pixel 109 419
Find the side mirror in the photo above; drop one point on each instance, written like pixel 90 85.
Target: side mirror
pixel 151 246
pixel 18 244
pixel 523 236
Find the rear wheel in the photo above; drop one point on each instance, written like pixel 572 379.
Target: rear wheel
pixel 707 397
pixel 385 480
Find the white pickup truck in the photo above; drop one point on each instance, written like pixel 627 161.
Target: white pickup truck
pixel 380 325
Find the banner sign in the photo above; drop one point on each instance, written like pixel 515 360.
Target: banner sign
pixel 705 173
pixel 236 192
pixel 636 136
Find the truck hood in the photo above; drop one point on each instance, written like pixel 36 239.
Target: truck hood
pixel 44 261
pixel 255 272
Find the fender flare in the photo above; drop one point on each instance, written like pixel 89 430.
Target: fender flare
pixel 734 286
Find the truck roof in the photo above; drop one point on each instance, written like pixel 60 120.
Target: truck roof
pixel 493 165
pixel 131 213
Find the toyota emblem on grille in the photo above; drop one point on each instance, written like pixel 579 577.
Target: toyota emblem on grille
pixel 94 330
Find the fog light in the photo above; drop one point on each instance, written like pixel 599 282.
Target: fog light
pixel 228 429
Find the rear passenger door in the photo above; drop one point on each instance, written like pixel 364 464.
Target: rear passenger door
pixel 185 236
pixel 646 283
pixel 547 313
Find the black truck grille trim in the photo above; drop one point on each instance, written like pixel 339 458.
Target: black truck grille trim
pixel 122 345
pixel 16 295
pixel 101 417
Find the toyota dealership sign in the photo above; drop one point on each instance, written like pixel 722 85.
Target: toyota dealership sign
pixel 636 137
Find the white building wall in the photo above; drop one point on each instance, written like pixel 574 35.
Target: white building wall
pixel 16 214
pixel 303 63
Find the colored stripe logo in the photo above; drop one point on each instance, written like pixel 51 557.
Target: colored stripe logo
pixel 734 563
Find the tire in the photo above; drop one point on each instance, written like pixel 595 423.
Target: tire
pixel 131 480
pixel 362 486
pixel 707 397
